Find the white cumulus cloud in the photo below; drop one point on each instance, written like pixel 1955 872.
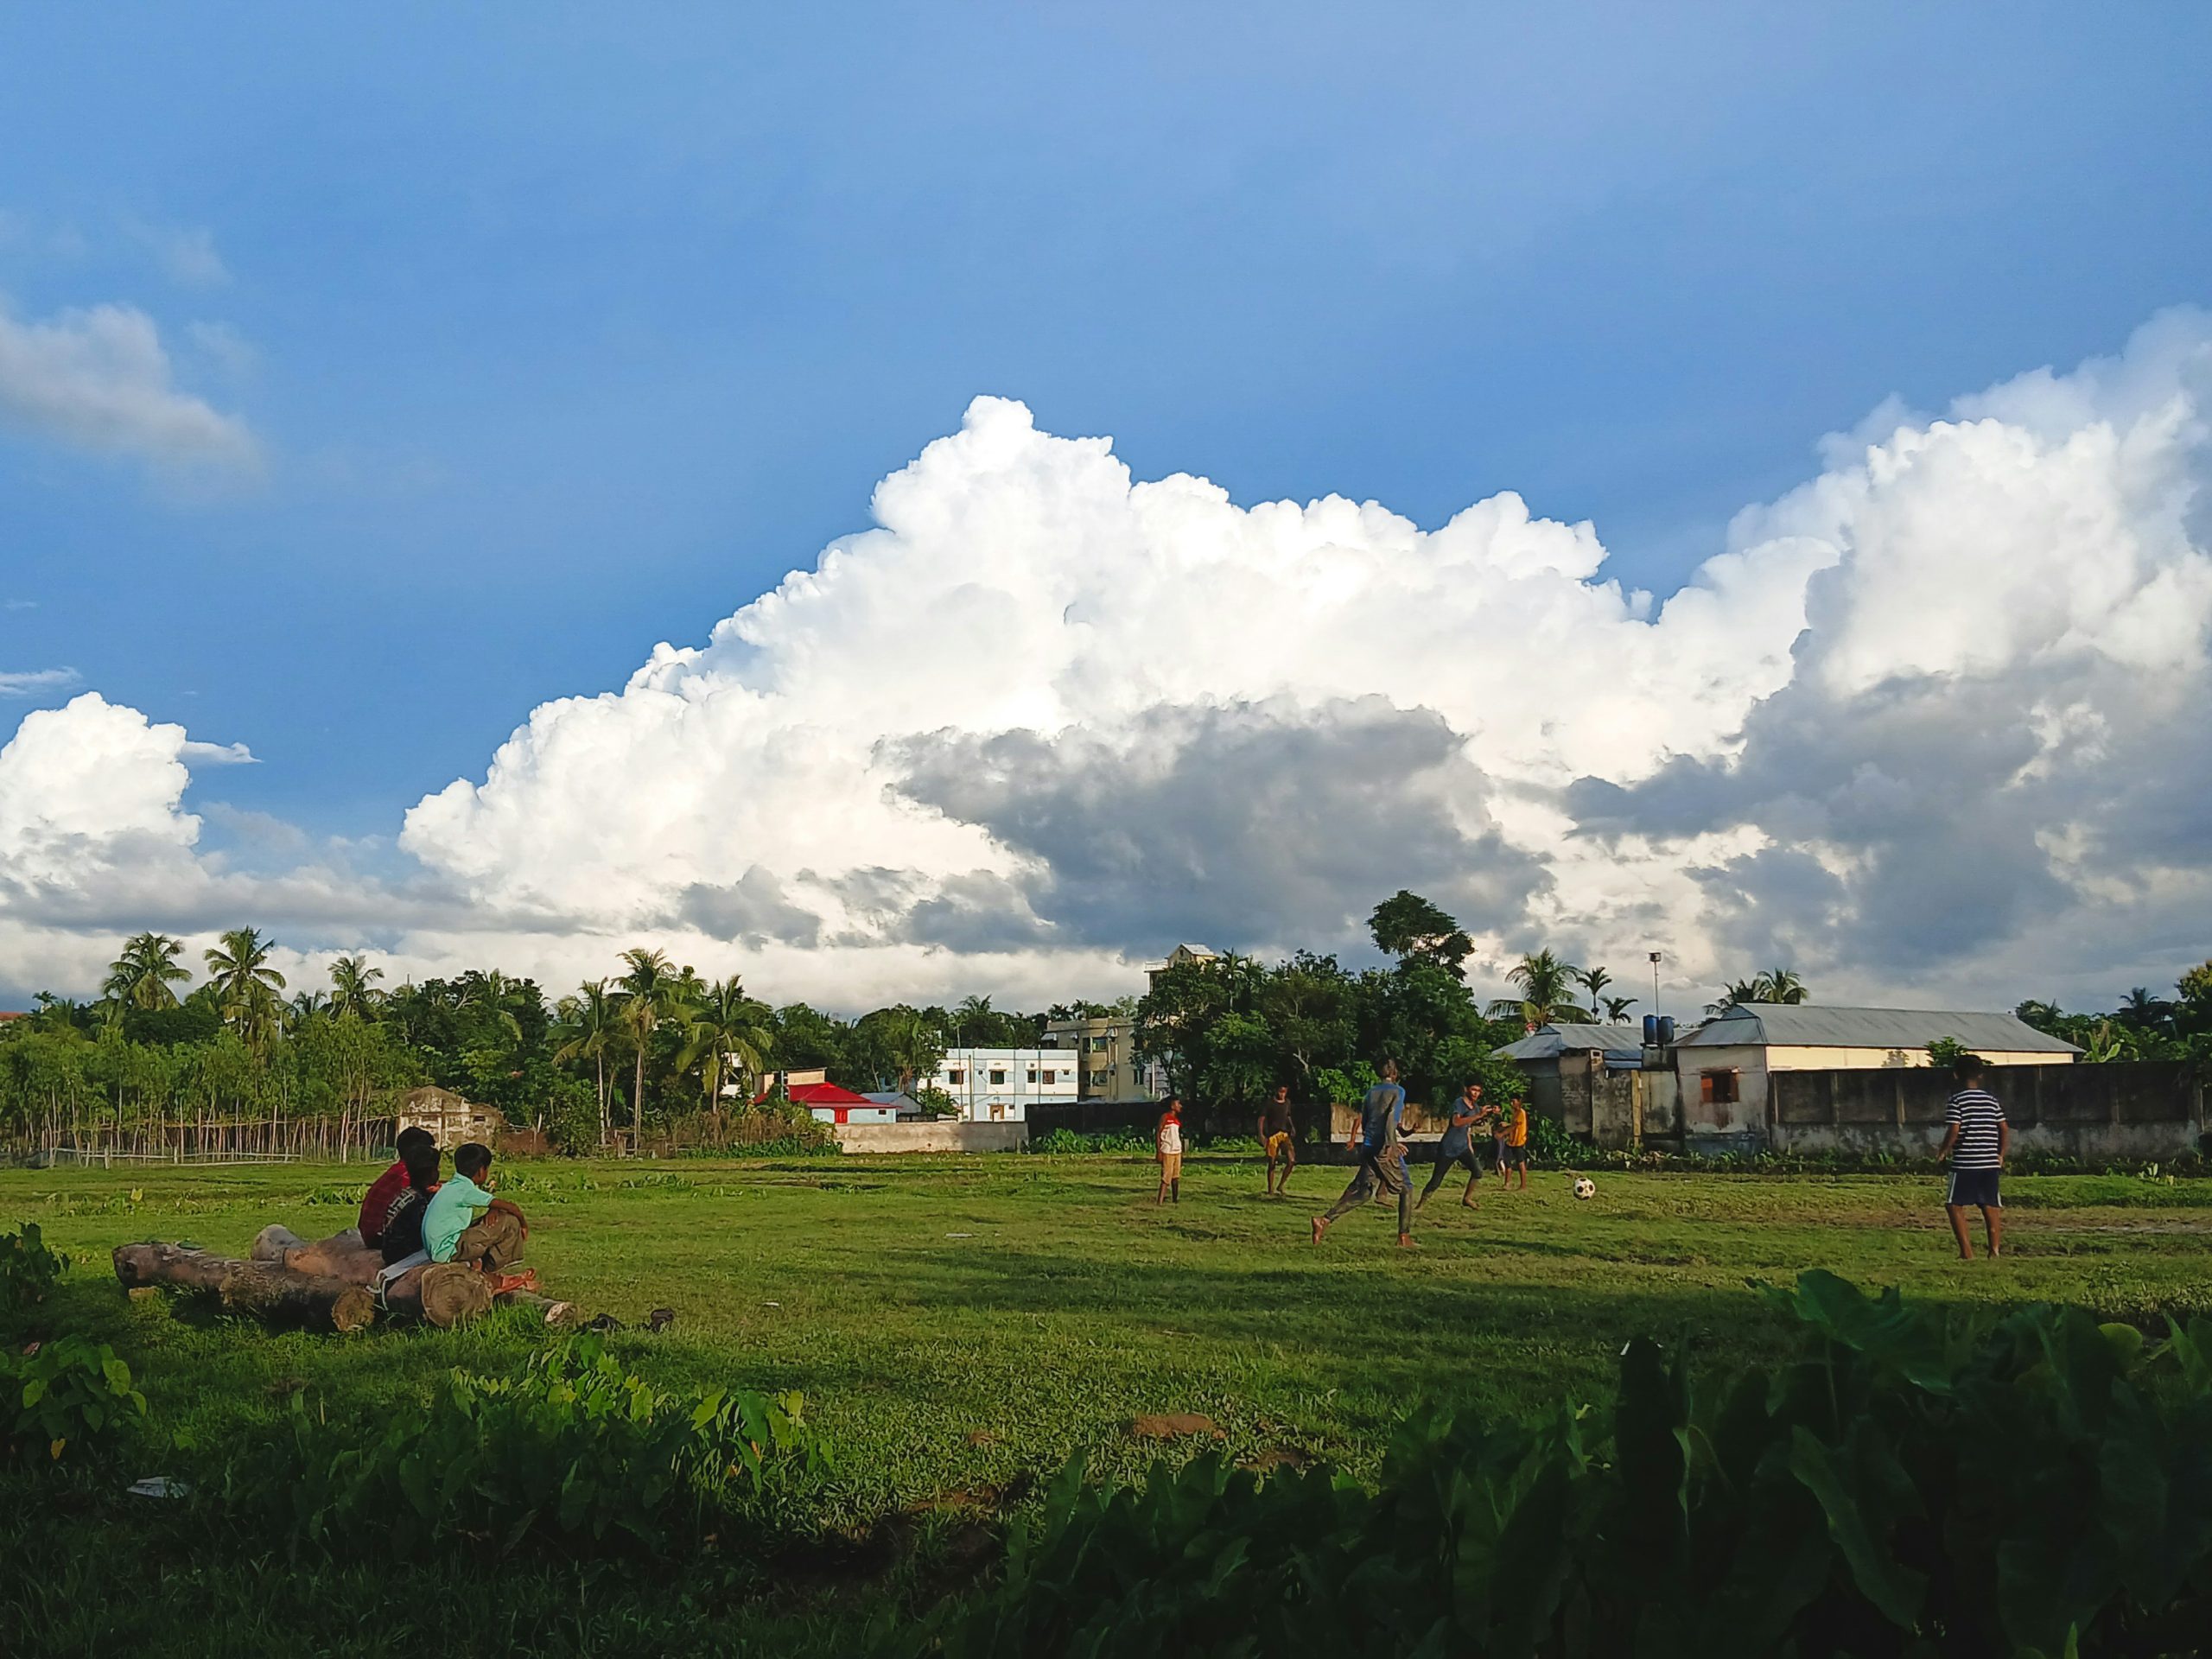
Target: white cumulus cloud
pixel 100 379
pixel 1928 725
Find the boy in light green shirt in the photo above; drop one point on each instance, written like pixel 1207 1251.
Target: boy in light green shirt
pixel 464 1222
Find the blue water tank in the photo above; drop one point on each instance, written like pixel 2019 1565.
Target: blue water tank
pixel 1666 1031
pixel 1651 1031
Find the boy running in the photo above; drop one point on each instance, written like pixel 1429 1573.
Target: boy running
pixel 1382 1158
pixel 1457 1149
pixel 1167 1145
pixel 1275 1127
pixel 1975 1142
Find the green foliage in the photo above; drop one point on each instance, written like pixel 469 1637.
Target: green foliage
pixel 1407 926
pixel 1062 1141
pixel 577 1452
pixel 1946 1053
pixel 1908 1482
pixel 70 1392
pixel 27 1271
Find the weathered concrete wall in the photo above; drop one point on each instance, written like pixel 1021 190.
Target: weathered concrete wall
pixel 2149 1110
pixel 941 1134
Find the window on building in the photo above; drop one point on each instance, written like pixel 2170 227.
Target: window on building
pixel 1033 1074
pixel 1717 1087
pixel 955 1078
pixel 998 1075
pixel 1051 1078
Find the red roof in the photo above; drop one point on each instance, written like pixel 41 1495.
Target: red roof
pixel 823 1094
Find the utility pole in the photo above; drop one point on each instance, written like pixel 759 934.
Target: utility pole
pixel 1654 982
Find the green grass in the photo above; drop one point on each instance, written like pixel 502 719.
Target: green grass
pixel 961 1327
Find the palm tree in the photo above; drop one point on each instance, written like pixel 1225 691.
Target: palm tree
pixel 1783 986
pixel 590 1015
pixel 353 992
pixel 725 1035
pixel 492 993
pixel 971 1009
pixel 1546 983
pixel 1594 981
pixel 306 1002
pixel 2142 1010
pixel 1617 1008
pixel 245 986
pixel 141 976
pixel 647 995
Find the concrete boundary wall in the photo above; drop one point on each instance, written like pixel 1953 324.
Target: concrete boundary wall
pixel 940 1135
pixel 2151 1108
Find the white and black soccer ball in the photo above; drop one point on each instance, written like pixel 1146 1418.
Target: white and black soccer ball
pixel 1584 1187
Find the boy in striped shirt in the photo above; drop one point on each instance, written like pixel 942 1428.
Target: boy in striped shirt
pixel 1976 1139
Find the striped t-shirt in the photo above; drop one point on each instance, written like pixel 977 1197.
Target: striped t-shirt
pixel 1977 1115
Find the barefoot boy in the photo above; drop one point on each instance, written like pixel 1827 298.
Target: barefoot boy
pixel 1275 1134
pixel 1975 1142
pixel 1168 1143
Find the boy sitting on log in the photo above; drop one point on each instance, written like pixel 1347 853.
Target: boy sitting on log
pixel 403 1222
pixel 464 1222
pixel 377 1202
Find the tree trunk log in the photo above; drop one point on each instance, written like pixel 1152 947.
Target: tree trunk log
pixel 552 1312
pixel 269 1293
pixel 444 1293
pixel 342 1255
pixel 283 1297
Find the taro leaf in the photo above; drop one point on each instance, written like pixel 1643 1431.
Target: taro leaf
pixel 1894 1587
pixel 1883 1329
pixel 1651 1443
pixel 1532 1558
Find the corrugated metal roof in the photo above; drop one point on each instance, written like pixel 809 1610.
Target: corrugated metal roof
pixel 1547 1042
pixel 1809 1026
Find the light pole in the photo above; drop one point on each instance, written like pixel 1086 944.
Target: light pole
pixel 1654 982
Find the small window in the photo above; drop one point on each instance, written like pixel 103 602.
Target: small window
pixel 1033 1074
pixel 997 1075
pixel 1051 1077
pixel 955 1078
pixel 1717 1087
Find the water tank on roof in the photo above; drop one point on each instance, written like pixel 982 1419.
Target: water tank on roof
pixel 1666 1031
pixel 1651 1031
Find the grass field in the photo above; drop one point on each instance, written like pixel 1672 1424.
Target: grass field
pixel 962 1326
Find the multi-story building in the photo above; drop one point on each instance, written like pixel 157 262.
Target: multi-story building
pixel 999 1085
pixel 1106 1062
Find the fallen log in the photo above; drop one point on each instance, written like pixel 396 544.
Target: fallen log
pixel 342 1255
pixel 274 1293
pixel 444 1293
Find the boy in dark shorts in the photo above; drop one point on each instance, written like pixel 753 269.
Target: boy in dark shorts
pixel 1513 1150
pixel 1457 1149
pixel 1975 1139
pixel 1380 1142
pixel 1275 1134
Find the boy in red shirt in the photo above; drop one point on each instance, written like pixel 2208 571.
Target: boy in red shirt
pixel 376 1203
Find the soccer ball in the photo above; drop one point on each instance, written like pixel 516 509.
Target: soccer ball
pixel 1584 1187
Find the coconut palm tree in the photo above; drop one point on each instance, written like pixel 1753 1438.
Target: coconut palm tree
pixel 1783 985
pixel 1594 981
pixel 306 1002
pixel 1617 1008
pixel 245 986
pixel 141 976
pixel 972 1011
pixel 492 993
pixel 646 996
pixel 726 1039
pixel 353 990
pixel 591 1017
pixel 1546 986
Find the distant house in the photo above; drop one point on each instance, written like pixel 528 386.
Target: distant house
pixel 1722 1067
pixel 999 1085
pixel 897 1100
pixel 451 1121
pixel 1106 1063
pixel 829 1103
pixel 1181 956
pixel 1544 1051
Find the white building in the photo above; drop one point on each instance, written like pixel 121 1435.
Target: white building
pixel 999 1085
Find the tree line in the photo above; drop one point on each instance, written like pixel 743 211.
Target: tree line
pixel 635 1050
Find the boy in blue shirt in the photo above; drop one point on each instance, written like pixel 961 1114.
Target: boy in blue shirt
pixel 1457 1149
pixel 1381 1145
pixel 464 1222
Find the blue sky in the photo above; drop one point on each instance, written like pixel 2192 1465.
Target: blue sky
pixel 564 331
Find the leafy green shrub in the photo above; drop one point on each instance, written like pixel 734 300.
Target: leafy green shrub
pixel 576 1452
pixel 27 1270
pixel 1070 1140
pixel 1911 1483
pixel 65 1393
